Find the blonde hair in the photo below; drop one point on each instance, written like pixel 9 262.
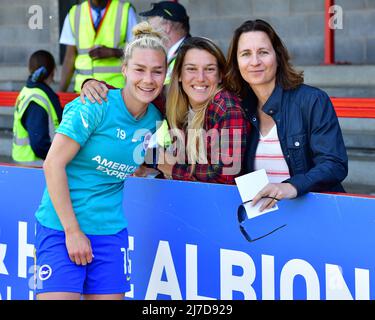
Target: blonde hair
pixel 145 37
pixel 177 105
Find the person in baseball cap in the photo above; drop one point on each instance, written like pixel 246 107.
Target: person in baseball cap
pixel 169 10
pixel 172 19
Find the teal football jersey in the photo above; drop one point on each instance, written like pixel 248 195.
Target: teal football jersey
pixel 113 145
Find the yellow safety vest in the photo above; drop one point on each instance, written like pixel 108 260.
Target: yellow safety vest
pixel 111 33
pixel 171 64
pixel 163 137
pixel 21 149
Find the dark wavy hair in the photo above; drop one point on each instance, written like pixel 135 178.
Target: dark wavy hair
pixel 286 76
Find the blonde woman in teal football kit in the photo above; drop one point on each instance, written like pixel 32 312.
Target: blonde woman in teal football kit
pixel 82 239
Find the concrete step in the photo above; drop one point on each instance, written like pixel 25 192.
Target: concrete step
pixel 6 118
pixel 12 78
pixel 358 133
pixel 361 169
pixel 354 76
pixel 6 143
pixel 342 80
pixel 359 189
pixel 359 139
pixel 5 159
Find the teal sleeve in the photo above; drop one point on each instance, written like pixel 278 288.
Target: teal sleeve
pixel 80 120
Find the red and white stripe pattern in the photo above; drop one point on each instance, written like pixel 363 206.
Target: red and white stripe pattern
pixel 270 157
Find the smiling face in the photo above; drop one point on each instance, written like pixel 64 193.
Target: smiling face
pixel 200 76
pixel 145 74
pixel 257 60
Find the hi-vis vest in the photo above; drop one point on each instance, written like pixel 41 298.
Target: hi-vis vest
pixel 111 33
pixel 171 64
pixel 21 149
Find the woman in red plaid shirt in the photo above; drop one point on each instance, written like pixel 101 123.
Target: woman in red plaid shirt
pixel 207 121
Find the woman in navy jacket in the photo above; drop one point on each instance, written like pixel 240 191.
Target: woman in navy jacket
pixel 305 127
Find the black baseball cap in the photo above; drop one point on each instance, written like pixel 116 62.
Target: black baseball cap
pixel 168 10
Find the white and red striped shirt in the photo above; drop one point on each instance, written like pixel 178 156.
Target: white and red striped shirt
pixel 269 156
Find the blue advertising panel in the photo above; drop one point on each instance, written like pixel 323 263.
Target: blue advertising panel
pixel 20 193
pixel 185 242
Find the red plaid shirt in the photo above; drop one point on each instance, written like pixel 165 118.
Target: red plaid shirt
pixel 226 149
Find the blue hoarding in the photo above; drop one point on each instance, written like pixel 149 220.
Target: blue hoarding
pixel 185 242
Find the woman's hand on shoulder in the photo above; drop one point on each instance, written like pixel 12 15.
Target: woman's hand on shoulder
pixel 274 192
pixel 94 90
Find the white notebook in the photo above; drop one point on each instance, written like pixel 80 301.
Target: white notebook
pixel 249 185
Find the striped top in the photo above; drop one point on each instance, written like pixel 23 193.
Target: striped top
pixel 269 156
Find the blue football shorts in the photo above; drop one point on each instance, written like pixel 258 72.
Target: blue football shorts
pixel 108 273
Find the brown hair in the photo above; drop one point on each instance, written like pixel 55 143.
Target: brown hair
pixel 41 65
pixel 286 76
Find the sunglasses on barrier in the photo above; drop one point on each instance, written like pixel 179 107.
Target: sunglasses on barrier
pixel 242 216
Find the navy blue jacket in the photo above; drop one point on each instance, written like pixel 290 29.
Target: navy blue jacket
pixel 309 134
pixel 35 120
